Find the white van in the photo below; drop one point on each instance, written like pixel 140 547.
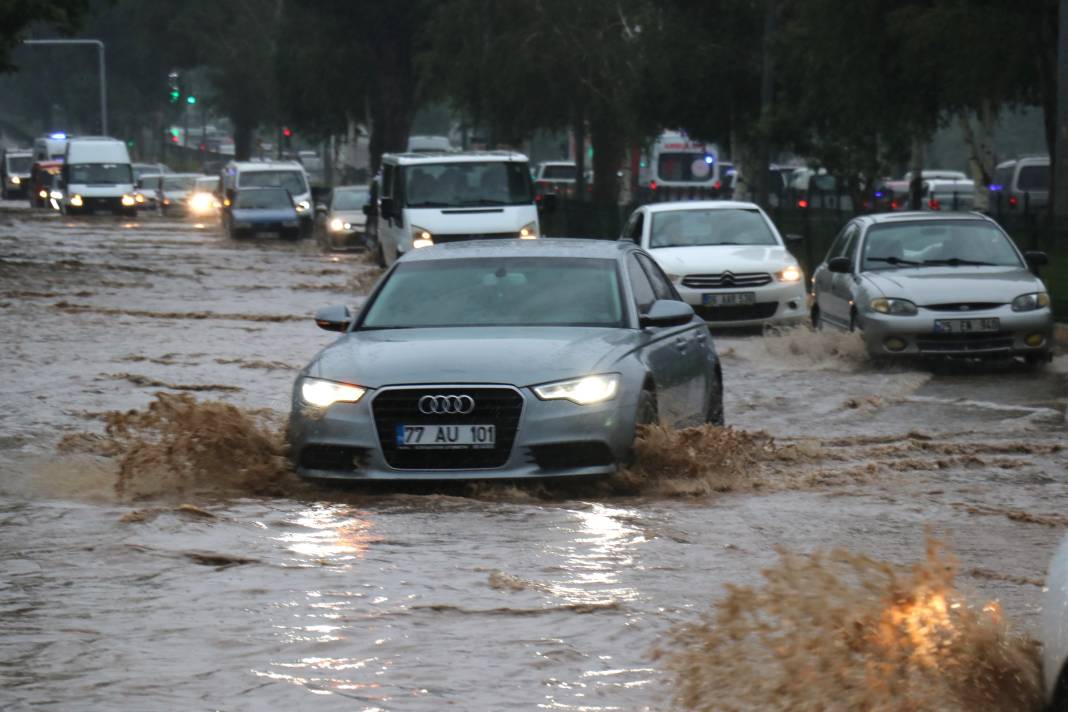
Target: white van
pixel 51 147
pixel 1020 185
pixel 675 161
pixel 97 175
pixel 431 198
pixel 269 174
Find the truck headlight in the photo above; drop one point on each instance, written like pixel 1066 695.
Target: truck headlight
pixel 322 394
pixel 421 237
pixel 15 180
pixel 128 201
pixel 529 231
pixel 584 391
pixel 897 307
pixel 76 201
pixel 1030 302
pixel 303 206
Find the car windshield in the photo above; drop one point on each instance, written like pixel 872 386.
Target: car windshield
pixel 1033 178
pixel 559 173
pixel 454 185
pixel 687 167
pixel 263 199
pixel 511 291
pixel 178 182
pixel 207 185
pixel 726 226
pixel 19 165
pixel 350 199
pixel 937 243
pixel 293 181
pixel 148 181
pixel 100 173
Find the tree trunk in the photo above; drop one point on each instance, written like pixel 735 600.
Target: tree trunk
pixel 578 132
pixel 608 143
pixel 747 165
pixel 919 148
pixel 1058 149
pixel 980 144
pixel 242 138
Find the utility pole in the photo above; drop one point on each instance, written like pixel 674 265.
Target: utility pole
pixel 103 75
pixel 1059 194
pixel 763 173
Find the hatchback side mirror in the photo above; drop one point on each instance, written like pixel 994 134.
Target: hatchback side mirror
pixel 333 318
pixel 1037 259
pixel 841 265
pixel 667 312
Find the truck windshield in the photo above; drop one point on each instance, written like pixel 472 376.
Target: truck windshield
pixel 19 165
pixel 100 173
pixel 263 199
pixel 455 185
pixel 293 181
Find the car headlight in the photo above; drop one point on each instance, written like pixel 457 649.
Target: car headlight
pixel 897 307
pixel 76 201
pixel 421 237
pixel 322 394
pixel 789 274
pixel 42 193
pixel 128 201
pixel 1030 302
pixel 337 225
pixel 529 231
pixel 303 206
pixel 56 195
pixel 584 391
pixel 139 198
pixel 15 180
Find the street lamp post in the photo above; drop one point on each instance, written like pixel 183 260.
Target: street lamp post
pixel 103 76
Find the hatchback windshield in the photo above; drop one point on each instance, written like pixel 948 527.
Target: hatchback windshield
pixel 293 181
pixel 441 185
pixel 19 165
pixel 937 243
pixel 100 173
pixel 263 199
pixel 516 291
pixel 178 182
pixel 350 199
pixel 728 226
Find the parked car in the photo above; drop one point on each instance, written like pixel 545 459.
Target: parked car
pixel 1020 185
pixel 15 168
pixel 174 191
pixel 1055 631
pixel 934 284
pixel 342 221
pixel 726 259
pixel 255 210
pixel 503 359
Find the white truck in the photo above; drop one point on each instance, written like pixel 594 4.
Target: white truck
pixel 97 175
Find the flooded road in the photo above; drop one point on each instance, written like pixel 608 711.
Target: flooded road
pixel 246 590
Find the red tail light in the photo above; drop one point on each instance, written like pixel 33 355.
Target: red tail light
pixel 934 204
pixel 1013 202
pixel 652 185
pixel 894 205
pixel 803 204
pixel 717 185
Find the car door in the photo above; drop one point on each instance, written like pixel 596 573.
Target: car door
pixel 391 225
pixel 663 350
pixel 693 344
pixel 828 285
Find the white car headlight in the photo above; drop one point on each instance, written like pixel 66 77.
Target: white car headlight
pixel 337 225
pixel 322 394
pixel 789 274
pixel 529 231
pixel 421 237
pixel 76 201
pixel 898 307
pixel 584 391
pixel 303 206
pixel 15 180
pixel 1030 302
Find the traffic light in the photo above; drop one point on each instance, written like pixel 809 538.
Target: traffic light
pixel 287 135
pixel 175 95
pixel 190 99
pixel 287 132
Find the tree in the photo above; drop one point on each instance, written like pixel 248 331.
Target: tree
pixel 17 15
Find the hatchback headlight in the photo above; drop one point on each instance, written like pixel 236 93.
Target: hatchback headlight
pixel 1030 302
pixel 789 274
pixel 322 394
pixel 421 237
pixel 898 307
pixel 584 391
pixel 529 231
pixel 303 206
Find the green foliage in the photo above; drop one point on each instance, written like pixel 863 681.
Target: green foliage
pixel 17 15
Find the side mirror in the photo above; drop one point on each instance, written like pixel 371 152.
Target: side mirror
pixel 334 318
pixel 1037 259
pixel 386 206
pixel 667 312
pixel 841 265
pixel 547 204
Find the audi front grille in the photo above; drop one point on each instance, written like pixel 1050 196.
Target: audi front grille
pixel 500 407
pixel 726 280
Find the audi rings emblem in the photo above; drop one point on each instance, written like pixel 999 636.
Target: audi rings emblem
pixel 446 405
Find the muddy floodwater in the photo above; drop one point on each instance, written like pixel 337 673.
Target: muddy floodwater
pixel 249 591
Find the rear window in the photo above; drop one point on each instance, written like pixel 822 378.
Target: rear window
pixel 559 173
pixel 684 167
pixel 1033 178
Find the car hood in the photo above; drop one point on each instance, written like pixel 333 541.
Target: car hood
pixel 520 356
pixel 947 285
pixel 260 214
pixel 713 259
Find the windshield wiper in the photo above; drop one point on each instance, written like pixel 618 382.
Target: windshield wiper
pixel 893 261
pixel 955 261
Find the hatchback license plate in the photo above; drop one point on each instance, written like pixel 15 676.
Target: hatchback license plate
pixel 731 299
pixel 446 436
pixel 966 326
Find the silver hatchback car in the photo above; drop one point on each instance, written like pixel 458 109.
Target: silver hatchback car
pixel 503 359
pixel 938 285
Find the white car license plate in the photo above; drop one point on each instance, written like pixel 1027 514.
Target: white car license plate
pixel 730 299
pixel 966 326
pixel 446 436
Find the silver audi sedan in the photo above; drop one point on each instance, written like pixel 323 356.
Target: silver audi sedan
pixel 503 359
pixel 931 284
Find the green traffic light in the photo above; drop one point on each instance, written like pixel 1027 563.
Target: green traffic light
pixel 190 99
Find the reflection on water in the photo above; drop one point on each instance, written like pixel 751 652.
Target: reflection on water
pixel 330 535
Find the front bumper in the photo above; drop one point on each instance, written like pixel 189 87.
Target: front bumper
pixel 920 339
pixel 776 303
pixel 552 439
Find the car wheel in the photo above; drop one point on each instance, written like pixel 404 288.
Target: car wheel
pixel 647 413
pixel 715 408
pixel 853 325
pixel 1059 703
pixel 817 325
pixel 377 254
